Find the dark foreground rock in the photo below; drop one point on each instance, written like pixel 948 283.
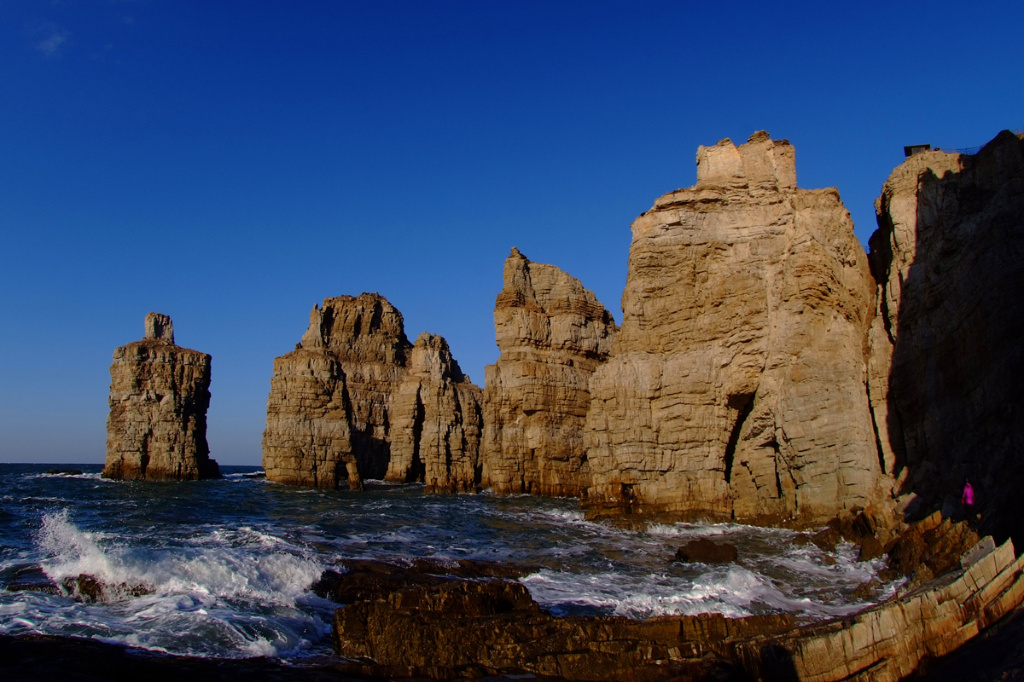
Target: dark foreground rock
pixel 367 579
pixel 493 627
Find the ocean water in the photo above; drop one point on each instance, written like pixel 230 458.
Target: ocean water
pixel 230 562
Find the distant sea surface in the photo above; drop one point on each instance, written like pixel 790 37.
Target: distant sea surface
pixel 229 562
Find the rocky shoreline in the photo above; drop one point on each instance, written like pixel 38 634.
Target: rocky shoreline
pixel 766 371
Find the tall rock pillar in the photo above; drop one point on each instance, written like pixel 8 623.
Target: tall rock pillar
pixel 159 394
pixel 553 334
pixel 736 388
pixel 946 344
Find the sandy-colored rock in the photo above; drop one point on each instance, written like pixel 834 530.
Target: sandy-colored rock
pixel 736 385
pixel 159 394
pixel 946 344
pixel 552 333
pixel 435 435
pixel 353 384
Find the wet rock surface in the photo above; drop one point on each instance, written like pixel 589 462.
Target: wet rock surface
pixel 707 552
pixel 494 627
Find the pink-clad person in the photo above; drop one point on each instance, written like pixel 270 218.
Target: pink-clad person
pixel 967 499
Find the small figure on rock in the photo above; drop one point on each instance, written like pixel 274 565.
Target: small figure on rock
pixel 967 499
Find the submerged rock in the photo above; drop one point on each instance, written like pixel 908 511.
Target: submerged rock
pixel 159 394
pixel 707 552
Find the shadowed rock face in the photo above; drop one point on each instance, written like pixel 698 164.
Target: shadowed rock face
pixel 355 392
pixel 552 333
pixel 736 385
pixel 159 394
pixel 947 340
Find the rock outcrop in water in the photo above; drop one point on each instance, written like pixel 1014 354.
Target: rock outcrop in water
pixel 947 340
pixel 435 434
pixel 736 386
pixel 355 400
pixel 553 334
pixel 159 394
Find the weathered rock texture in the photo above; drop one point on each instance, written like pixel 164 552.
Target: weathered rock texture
pixel 553 334
pixel 435 435
pixel 355 393
pixel 736 385
pixel 159 394
pixel 471 628
pixel 946 344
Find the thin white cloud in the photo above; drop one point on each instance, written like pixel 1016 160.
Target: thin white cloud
pixel 52 44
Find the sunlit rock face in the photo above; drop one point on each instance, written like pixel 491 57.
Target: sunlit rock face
pixel 736 386
pixel 159 395
pixel 552 333
pixel 336 400
pixel 435 436
pixel 946 343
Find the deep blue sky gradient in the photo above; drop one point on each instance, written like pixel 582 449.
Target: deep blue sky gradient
pixel 231 163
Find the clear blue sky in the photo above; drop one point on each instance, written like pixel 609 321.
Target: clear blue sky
pixel 231 163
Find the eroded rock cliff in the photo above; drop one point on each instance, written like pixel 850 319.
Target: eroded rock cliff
pixel 354 388
pixel 736 385
pixel 946 345
pixel 435 435
pixel 159 394
pixel 553 334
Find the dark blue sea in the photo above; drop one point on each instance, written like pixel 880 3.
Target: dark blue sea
pixel 230 562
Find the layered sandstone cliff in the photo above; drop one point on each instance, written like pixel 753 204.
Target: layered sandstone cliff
pixel 736 385
pixel 553 334
pixel 159 394
pixel 947 339
pixel 435 435
pixel 353 384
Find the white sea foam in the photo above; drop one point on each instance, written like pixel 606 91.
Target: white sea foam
pixel 239 592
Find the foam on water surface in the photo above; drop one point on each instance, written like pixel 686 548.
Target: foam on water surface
pixel 228 564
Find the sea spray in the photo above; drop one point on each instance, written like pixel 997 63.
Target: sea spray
pixel 229 563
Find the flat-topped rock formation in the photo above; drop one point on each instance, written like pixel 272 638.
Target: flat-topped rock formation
pixel 336 401
pixel 159 394
pixel 553 334
pixel 947 339
pixel 736 386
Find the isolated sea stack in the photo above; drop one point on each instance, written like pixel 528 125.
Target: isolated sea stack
pixel 552 333
pixel 159 394
pixel 736 386
pixel 355 392
pixel 947 341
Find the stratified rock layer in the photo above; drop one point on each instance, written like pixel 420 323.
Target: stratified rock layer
pixel 354 388
pixel 736 385
pixel 552 333
pixel 946 344
pixel 435 435
pixel 159 394
pixel 455 628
